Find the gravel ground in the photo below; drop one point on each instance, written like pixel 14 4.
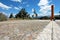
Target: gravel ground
pixel 58 22
pixel 21 29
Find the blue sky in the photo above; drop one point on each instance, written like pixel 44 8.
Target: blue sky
pixel 42 7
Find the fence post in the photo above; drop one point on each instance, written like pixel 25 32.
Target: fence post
pixel 30 37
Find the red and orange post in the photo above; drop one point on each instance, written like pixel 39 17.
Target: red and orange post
pixel 52 12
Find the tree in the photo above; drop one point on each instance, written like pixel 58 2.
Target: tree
pixel 44 17
pixel 32 16
pixel 11 16
pixel 35 14
pixel 22 14
pixel 3 17
pixel 59 13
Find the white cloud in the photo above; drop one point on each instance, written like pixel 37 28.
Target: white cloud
pixel 43 2
pixel 45 7
pixel 27 5
pixel 57 14
pixel 24 3
pixel 32 9
pixel 20 7
pixel 16 8
pixel 3 6
pixel 17 0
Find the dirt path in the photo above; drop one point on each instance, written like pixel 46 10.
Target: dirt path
pixel 21 29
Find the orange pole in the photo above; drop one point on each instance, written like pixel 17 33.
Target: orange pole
pixel 52 12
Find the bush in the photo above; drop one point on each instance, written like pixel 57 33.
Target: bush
pixel 3 17
pixel 22 14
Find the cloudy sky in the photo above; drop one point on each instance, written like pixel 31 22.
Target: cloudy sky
pixel 42 7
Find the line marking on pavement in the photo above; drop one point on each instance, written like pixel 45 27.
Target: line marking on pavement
pixel 47 34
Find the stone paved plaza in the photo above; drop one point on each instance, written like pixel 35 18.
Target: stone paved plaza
pixel 30 30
